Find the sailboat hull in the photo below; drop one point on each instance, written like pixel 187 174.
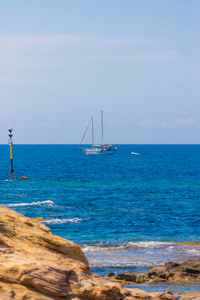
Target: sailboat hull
pixel 99 151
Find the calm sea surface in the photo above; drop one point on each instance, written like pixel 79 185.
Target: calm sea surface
pixel 124 210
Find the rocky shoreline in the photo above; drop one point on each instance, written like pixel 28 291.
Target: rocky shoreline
pixel 185 271
pixel 35 264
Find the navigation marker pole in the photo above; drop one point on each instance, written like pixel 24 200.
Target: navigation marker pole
pixel 10 143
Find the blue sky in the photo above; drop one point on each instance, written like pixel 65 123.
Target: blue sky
pixel 63 61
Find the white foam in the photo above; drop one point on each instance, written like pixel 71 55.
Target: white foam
pixel 138 254
pixel 148 244
pixel 104 247
pixel 194 251
pixel 121 263
pixel 87 248
pixel 47 202
pixel 62 221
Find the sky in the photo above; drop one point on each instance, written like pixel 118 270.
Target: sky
pixel 63 61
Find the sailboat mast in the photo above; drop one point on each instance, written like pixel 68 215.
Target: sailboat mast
pixel 102 127
pixel 92 134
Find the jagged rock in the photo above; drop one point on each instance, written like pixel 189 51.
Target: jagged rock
pixel 132 277
pixel 171 271
pixel 188 269
pixel 37 265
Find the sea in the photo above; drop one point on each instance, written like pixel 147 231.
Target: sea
pixel 127 212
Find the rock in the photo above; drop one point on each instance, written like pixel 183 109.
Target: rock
pixel 23 178
pixel 110 275
pixel 132 277
pixel 171 271
pixel 38 219
pixel 37 265
pixel 191 295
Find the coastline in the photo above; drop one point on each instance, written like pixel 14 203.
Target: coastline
pixel 123 215
pixel 39 265
pixel 137 256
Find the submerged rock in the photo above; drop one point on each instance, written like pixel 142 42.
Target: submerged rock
pixel 35 264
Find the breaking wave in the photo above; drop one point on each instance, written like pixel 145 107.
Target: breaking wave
pixel 46 202
pixel 62 221
pixel 124 246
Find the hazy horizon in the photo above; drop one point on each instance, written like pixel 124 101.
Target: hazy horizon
pixel 90 144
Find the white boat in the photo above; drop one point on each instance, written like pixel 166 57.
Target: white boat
pixel 103 149
pixel 136 153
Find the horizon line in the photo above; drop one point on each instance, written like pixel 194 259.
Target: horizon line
pixel 113 144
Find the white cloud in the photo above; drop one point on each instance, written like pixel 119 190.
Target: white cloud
pixel 185 122
pixel 45 51
pixel 13 43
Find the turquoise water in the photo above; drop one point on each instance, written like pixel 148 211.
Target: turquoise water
pixel 123 210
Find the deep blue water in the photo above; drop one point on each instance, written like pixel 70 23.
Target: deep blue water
pixel 124 210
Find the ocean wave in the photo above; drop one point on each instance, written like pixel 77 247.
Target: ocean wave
pixel 122 263
pixel 194 251
pixel 148 244
pixel 88 248
pixel 46 202
pixel 138 254
pixel 62 221
pixel 109 247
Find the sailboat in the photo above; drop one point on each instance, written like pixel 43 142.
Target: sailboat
pixel 97 149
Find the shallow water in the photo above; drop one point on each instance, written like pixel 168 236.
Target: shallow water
pixel 124 210
pixel 175 288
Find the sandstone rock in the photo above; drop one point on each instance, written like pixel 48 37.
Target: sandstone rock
pixel 37 265
pixel 191 295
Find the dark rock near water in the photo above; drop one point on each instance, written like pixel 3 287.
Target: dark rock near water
pixel 132 277
pixel 23 178
pixel 188 270
pixel 111 274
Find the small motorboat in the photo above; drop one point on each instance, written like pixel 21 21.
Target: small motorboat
pixel 136 153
